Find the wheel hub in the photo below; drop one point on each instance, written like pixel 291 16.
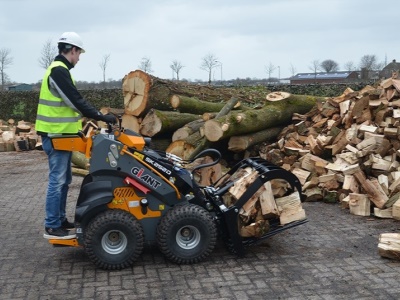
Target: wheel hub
pixel 188 237
pixel 114 242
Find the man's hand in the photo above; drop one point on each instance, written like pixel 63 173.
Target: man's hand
pixel 109 118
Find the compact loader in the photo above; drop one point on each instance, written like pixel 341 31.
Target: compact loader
pixel 134 195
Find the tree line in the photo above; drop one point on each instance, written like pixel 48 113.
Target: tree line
pixel 209 63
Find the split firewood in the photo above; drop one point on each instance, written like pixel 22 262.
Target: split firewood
pixel 359 204
pixel 290 208
pixel 79 171
pixel 389 245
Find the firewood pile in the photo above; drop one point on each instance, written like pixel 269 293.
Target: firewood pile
pixel 19 136
pixel 347 150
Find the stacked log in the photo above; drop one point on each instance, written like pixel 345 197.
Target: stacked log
pixel 17 137
pixel 192 116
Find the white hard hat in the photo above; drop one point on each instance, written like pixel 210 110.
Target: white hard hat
pixel 72 38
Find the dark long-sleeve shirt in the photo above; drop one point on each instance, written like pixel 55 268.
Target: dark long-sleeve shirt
pixel 60 79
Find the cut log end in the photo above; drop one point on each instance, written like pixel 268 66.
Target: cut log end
pixel 277 96
pixel 181 149
pixel 135 88
pixel 175 101
pixel 213 130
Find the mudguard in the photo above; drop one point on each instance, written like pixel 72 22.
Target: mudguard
pixel 93 198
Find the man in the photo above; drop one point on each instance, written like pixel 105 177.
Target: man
pixel 60 110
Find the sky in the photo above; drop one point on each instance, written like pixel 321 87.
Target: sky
pixel 246 36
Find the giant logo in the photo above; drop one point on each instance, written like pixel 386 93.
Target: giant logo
pixel 139 173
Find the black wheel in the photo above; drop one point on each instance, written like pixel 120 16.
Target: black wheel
pixel 186 234
pixel 114 239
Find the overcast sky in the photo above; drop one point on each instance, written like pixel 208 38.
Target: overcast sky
pixel 245 35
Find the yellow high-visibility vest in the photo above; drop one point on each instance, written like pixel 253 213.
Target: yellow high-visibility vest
pixel 53 114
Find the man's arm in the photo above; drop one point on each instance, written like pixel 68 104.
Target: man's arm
pixel 60 81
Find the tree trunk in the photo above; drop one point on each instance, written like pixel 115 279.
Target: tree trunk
pixel 142 91
pixel 181 149
pixel 196 106
pixel 80 160
pixel 130 122
pixel 158 122
pixel 243 142
pixel 188 129
pixel 272 114
pixel 204 143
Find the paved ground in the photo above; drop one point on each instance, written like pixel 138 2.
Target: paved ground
pixel 333 256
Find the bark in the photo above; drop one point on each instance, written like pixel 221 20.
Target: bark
pixel 80 160
pixel 204 143
pixel 188 129
pixel 157 122
pixel 196 106
pixel 243 142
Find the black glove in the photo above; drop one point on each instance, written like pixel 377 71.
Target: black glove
pixel 109 118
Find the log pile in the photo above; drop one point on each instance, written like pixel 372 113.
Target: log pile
pixel 195 117
pixel 19 136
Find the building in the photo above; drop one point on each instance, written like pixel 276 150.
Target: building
pixel 324 77
pixel 389 69
pixel 20 87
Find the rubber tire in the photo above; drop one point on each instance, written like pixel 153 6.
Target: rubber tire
pixel 194 217
pixel 114 220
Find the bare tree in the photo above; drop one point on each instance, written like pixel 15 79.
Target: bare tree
pixel 176 67
pixel 209 62
pixel 49 51
pixel 315 67
pixel 5 61
pixel 292 69
pixel 103 66
pixel 329 65
pixel 145 65
pixel 269 69
pixel 349 66
pixel 368 62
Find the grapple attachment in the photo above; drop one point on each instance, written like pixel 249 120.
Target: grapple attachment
pixel 228 216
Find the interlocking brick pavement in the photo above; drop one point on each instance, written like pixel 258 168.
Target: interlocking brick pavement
pixel 333 256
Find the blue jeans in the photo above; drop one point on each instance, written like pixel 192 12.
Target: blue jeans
pixel 60 176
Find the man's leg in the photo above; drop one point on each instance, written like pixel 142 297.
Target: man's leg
pixel 59 178
pixel 64 190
